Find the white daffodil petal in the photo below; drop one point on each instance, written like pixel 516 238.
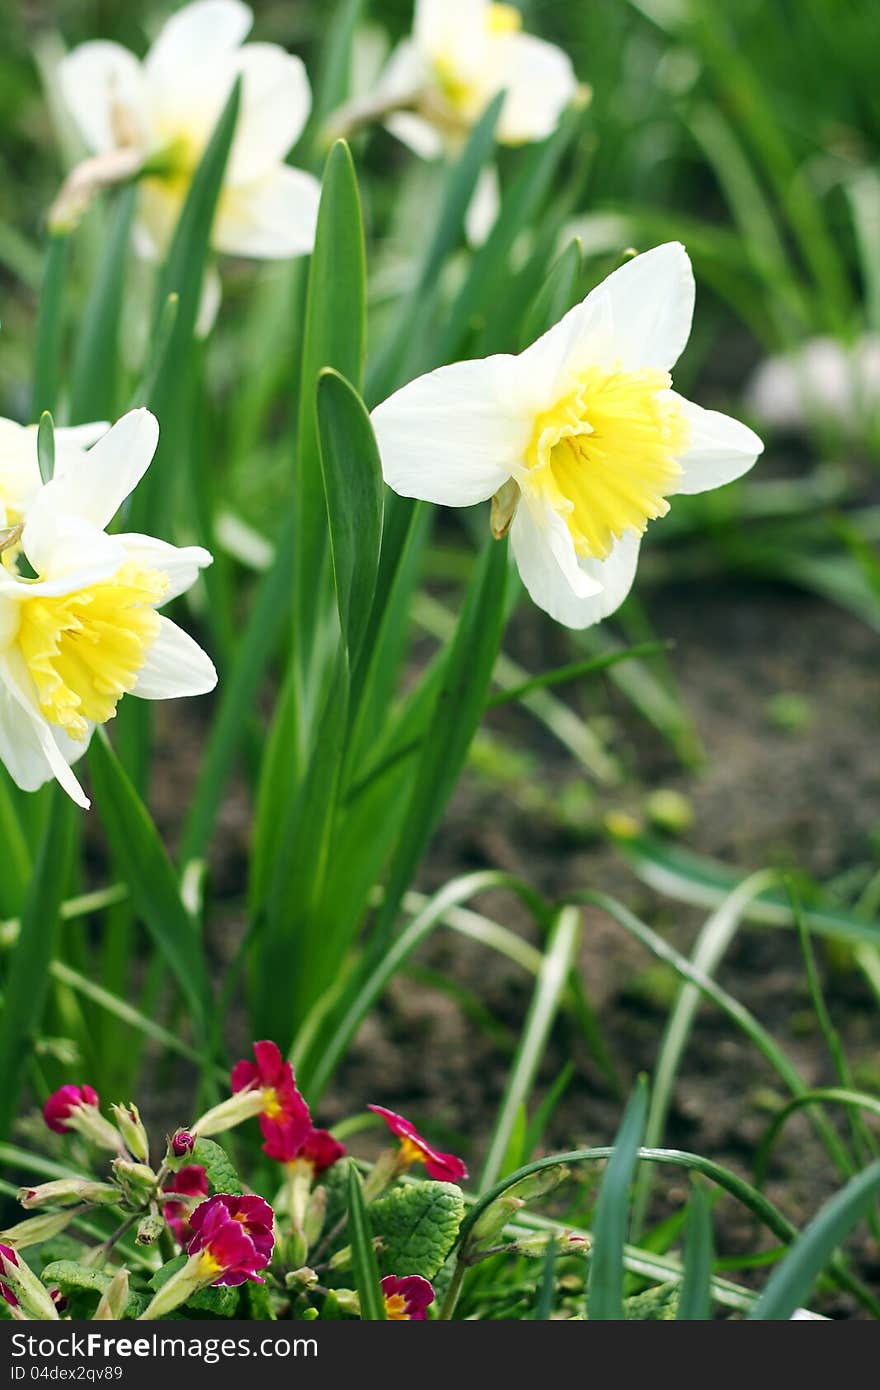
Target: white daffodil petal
pixel 444 27
pixel 275 102
pixel 453 436
pixel 195 38
pixel 539 81
pixel 70 437
pixel 27 744
pixel 603 584
pixel 272 218
pixel 720 449
pixel 652 307
pixel 66 552
pixel 103 87
pixel 210 301
pixel 404 75
pixel 484 207
pixel 175 666
pixel 94 489
pixel 181 563
pixel 554 363
pixel 416 133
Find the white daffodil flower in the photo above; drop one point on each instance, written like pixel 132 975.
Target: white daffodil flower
pixel 85 631
pixel 156 117
pixel 461 54
pixel 20 479
pixel 579 440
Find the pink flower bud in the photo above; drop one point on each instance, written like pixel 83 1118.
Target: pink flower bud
pixel 62 1103
pixel 182 1143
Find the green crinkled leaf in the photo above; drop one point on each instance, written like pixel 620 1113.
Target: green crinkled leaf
pixel 216 1162
pixel 654 1305
pixel 417 1226
pixel 218 1299
pixel 77 1281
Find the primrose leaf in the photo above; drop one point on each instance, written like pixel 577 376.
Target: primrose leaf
pixel 417 1226
pixel 218 1167
pixel 75 1279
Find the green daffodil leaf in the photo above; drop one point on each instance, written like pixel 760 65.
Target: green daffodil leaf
pixel 417 1226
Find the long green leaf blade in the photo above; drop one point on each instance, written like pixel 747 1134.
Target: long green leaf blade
pixel 605 1295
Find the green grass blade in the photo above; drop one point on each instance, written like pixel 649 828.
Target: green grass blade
pixel 605 1286
pixel 461 181
pixel 50 326
pixel 144 866
pixel 681 874
pixel 335 328
pixel 27 980
pixel 556 295
pixel 238 693
pixel 841 1095
pixel 547 1288
pixel 16 854
pixel 552 979
pixel 711 946
pixel 363 1254
pixel 695 1299
pixel 793 1278
pixel 182 276
pixel 95 373
pixel 354 492
pixel 457 713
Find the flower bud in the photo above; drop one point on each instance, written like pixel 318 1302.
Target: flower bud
pixel 32 1296
pixel 300 1280
pixel 316 1211
pixel 134 1136
pixel 535 1246
pixel 76 1108
pixel 66 1191
pixel 182 1143
pixel 38 1228
pixel 137 1180
pixel 150 1228
pixel 348 1302
pixel 491 1223
pixel 114 1299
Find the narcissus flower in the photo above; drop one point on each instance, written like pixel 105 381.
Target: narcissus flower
pixel 20 479
pixel 461 54
pixel 284 1115
pixel 407 1299
pixel 76 1108
pixel 155 118
pixel 190 1182
pixel 217 1225
pixel 85 631
pixel 580 440
pixel 414 1149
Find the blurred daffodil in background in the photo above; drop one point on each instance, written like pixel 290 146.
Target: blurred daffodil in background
pixel 153 119
pixel 579 440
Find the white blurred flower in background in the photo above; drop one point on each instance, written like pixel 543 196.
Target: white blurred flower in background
pixel 825 380
pixel 153 119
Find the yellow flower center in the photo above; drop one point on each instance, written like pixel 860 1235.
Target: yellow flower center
pixel 606 454
pixel 395 1308
pixel 86 649
pixel 409 1153
pixel 504 19
pixel 272 1106
pixel 209 1266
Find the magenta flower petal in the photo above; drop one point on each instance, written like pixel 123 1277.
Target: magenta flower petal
pixel 440 1166
pixel 407 1299
pixel 62 1102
